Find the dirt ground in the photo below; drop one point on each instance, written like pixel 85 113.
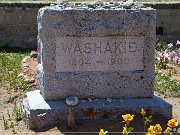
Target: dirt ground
pixel 83 127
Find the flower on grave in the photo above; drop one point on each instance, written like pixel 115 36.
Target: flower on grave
pixel 178 43
pixel 170 45
pixel 128 118
pixel 158 58
pixel 172 54
pixel 167 131
pixel 151 129
pixel 172 123
pixel 166 55
pixel 177 60
pixel 125 131
pixel 157 129
pixel 148 133
pixel 143 113
pixel 36 50
pixel 102 132
pixel 154 130
pixel 164 52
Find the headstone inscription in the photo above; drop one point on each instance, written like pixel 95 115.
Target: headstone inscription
pixel 98 53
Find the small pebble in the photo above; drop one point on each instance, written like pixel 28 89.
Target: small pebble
pixel 41 115
pixel 25 65
pixel 24 60
pixel 91 6
pixel 72 100
pixel 26 79
pixel 121 100
pixel 21 75
pixel 109 100
pixel 100 3
pixel 33 84
pixel 32 80
pixel 25 76
pixel 89 99
pixel 24 71
pixel 83 101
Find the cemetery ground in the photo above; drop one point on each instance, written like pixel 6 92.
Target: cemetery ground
pixel 13 87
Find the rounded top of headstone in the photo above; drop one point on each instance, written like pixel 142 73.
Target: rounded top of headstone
pixel 72 100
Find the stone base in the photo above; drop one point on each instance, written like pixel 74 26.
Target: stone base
pixel 39 113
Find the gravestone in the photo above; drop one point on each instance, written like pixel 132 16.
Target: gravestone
pixel 102 54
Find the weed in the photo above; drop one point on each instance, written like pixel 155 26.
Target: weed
pixel 162 63
pixel 11 99
pixel 17 113
pixel 9 116
pixel 9 69
pixel 5 123
pixel 13 128
pixel 161 46
pixel 165 85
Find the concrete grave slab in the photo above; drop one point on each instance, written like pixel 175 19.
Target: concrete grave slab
pixel 40 113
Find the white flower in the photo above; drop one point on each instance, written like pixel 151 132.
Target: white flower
pixel 178 42
pixel 166 55
pixel 170 45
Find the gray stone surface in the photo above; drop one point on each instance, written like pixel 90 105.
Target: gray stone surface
pixel 60 23
pixel 40 113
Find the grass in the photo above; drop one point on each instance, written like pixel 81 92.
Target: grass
pixel 10 67
pixel 165 85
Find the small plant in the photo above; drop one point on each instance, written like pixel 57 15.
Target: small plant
pixel 170 125
pixel 154 130
pixel 162 62
pixel 5 123
pixel 164 84
pixel 9 116
pixel 170 54
pixel 127 119
pixel 160 46
pixel 102 132
pixel 146 120
pixel 11 99
pixel 10 67
pixel 9 122
pixel 13 128
pixel 17 112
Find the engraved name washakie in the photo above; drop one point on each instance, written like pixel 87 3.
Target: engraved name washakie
pixel 99 53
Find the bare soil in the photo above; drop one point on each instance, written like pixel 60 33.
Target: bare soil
pixel 30 72
pixel 83 127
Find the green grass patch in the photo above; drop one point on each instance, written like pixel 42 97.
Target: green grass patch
pixel 165 85
pixel 10 67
